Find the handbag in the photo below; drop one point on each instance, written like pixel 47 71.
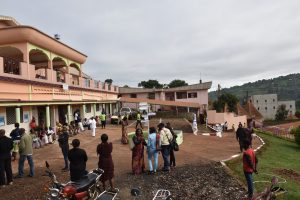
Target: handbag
pixel 173 144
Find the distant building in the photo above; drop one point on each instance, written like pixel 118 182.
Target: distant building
pixel 267 105
pixel 187 97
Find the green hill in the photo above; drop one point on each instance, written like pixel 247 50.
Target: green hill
pixel 287 88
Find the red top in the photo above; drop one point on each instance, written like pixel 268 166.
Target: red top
pixel 246 165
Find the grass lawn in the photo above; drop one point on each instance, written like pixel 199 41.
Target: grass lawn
pixel 277 154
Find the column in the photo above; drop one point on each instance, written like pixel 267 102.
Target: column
pixel 94 109
pixel 83 111
pixel 18 117
pixel 110 109
pixel 69 114
pixel 188 109
pixel 47 116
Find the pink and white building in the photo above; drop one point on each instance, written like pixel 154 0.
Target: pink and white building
pixel 42 77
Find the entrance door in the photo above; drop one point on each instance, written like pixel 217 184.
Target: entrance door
pixel 41 116
pixel 62 114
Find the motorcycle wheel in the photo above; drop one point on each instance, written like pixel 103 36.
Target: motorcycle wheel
pixel 93 192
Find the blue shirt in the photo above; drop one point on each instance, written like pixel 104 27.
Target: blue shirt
pixel 151 144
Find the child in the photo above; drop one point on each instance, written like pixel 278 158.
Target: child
pixel 35 139
pixel 104 151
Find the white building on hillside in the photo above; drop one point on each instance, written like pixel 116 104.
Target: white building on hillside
pixel 267 105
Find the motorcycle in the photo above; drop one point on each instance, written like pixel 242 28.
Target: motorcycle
pixel 86 188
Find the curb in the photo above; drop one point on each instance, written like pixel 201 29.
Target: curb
pixel 236 155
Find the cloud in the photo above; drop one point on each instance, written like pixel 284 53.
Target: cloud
pixel 228 42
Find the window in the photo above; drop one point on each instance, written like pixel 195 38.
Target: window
pixel 87 82
pixel 151 95
pixel 274 107
pixel 291 106
pixel 109 87
pixel 192 95
pixel 273 100
pixel 103 86
pixel 97 107
pixel 256 101
pixel 11 115
pixel 181 95
pixel 88 108
pixel 132 95
pixel 266 100
pixel 257 108
pixel 115 88
pixel 266 108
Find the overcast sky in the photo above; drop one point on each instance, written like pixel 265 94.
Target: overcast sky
pixel 230 42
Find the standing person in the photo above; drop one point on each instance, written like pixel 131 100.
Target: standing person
pixel 195 127
pixel 25 149
pixel 165 138
pixel 32 124
pixel 77 158
pixel 104 150
pixel 6 145
pixel 249 166
pixel 241 136
pixel 103 120
pixel 124 139
pixel 152 144
pixel 63 140
pixel 93 126
pixel 138 120
pixel 249 132
pixel 172 155
pixel 16 137
pixel 138 164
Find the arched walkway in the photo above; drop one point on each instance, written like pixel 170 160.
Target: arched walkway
pixel 11 59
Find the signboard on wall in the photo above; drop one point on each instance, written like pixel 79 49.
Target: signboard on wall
pixel 26 117
pixel 65 86
pixel 2 121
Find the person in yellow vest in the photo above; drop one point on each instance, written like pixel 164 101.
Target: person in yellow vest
pixel 103 120
pixel 138 120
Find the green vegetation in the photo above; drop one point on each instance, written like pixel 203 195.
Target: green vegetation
pixel 271 122
pixel 296 133
pixel 226 99
pixel 177 83
pixel 287 88
pixel 297 113
pixel 275 156
pixel 281 113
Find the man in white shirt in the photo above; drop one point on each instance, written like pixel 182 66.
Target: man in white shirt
pixel 165 138
pixel 93 126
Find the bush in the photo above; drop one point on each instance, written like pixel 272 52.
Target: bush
pixel 297 113
pixel 296 133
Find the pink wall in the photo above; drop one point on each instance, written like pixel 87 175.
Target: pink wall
pixel 220 118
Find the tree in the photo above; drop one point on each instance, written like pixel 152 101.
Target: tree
pixel 150 84
pixel 177 83
pixel 281 113
pixel 297 113
pixel 226 99
pixel 296 133
pixel 125 86
pixel 108 81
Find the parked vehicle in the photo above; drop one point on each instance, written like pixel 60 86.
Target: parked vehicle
pixel 86 188
pixel 128 112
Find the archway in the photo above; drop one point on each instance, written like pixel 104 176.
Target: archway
pixel 74 71
pixel 40 61
pixel 60 66
pixel 11 59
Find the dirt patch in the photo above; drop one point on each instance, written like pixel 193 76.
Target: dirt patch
pixel 206 181
pixel 289 173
